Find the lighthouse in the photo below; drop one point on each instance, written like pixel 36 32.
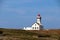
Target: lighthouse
pixel 39 19
pixel 37 25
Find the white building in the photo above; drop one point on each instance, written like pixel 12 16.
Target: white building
pixel 37 25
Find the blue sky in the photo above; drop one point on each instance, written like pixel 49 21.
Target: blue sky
pixel 22 13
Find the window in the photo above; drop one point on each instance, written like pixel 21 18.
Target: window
pixel 37 27
pixel 33 27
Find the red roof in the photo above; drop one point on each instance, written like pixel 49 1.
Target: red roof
pixel 38 15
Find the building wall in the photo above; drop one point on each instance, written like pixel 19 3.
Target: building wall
pixel 35 26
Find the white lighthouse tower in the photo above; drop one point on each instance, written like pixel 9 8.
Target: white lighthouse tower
pixel 39 19
pixel 37 25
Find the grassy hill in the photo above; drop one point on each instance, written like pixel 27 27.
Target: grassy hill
pixel 17 34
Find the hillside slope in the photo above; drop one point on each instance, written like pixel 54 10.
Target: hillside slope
pixel 17 34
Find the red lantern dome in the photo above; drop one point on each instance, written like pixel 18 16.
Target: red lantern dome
pixel 38 15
